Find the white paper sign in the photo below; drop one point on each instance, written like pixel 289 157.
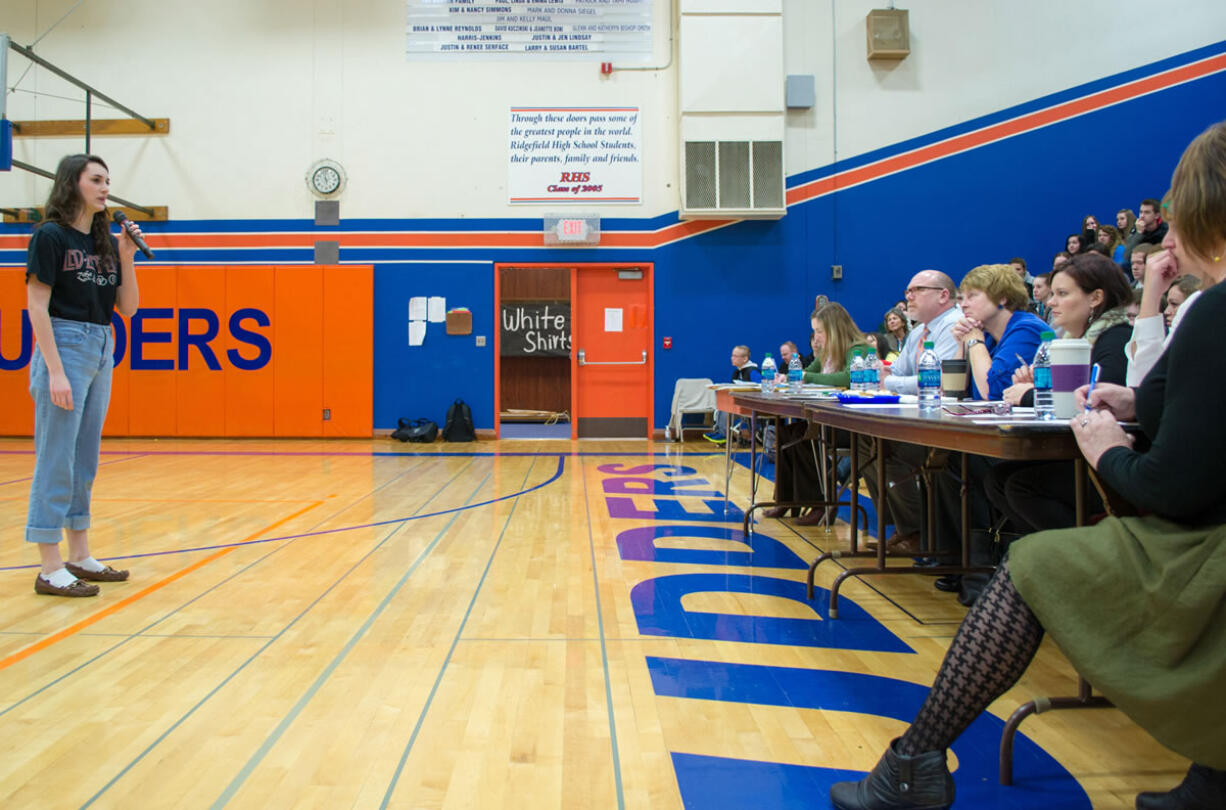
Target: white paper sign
pixel 437 309
pixel 613 320
pixel 575 154
pixel 417 333
pixel 417 308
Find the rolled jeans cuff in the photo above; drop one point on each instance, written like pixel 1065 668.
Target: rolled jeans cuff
pixel 34 535
pixel 78 523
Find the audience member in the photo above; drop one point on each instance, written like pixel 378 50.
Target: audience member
pixel 786 350
pixel 743 370
pixel 836 337
pixel 996 328
pixel 1151 333
pixel 1073 244
pixel 1136 604
pixel 1019 266
pixel 1149 228
pixel 1134 306
pixel 1089 230
pixel 1060 258
pixel 1090 298
pixel 931 294
pixel 1177 295
pixel 1042 293
pixel 1137 259
pixel 1125 222
pixel 897 327
pixel 1109 237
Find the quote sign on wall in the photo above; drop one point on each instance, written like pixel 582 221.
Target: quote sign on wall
pixel 575 154
pixel 535 329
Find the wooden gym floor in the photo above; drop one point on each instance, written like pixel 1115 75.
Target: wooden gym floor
pixel 497 625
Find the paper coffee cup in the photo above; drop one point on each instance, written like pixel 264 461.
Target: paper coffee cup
pixel 1070 369
pixel 954 377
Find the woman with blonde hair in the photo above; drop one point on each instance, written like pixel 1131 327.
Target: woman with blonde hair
pixel 835 339
pixel 997 329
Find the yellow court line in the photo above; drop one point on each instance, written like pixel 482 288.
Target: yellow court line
pixel 71 630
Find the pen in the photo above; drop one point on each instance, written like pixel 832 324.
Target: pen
pixel 1094 370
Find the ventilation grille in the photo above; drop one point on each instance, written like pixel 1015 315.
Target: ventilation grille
pixel 743 177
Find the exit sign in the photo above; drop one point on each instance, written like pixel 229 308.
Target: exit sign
pixel 572 230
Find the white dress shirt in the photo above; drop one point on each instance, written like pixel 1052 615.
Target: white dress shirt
pixel 904 372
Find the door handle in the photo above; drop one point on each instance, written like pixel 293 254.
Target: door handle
pixel 583 361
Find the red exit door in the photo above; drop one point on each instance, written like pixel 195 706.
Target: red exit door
pixel 612 364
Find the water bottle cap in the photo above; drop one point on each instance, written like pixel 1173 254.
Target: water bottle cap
pixel 1047 335
pixel 768 354
pixel 928 344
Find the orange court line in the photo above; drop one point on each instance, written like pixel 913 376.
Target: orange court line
pixel 73 629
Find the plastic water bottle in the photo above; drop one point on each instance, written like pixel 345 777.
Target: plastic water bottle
pixel 768 374
pixel 872 371
pixel 796 375
pixel 1043 405
pixel 929 381
pixel 857 370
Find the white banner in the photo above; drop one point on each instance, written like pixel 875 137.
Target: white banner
pixel 575 154
pixel 609 30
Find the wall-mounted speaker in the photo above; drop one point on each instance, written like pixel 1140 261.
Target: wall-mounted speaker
pixel 888 34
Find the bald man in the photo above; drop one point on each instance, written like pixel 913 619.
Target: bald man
pixel 932 303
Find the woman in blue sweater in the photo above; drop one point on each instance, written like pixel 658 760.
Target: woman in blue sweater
pixel 997 329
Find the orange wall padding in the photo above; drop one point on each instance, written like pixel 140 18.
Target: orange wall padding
pixel 223 351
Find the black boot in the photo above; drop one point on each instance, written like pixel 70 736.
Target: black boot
pixel 899 783
pixel 1202 788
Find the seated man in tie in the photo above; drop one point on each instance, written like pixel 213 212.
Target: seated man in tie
pixel 932 303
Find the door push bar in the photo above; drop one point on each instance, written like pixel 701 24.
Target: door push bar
pixel 583 361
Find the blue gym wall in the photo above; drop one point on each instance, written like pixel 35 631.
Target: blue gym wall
pixel 754 282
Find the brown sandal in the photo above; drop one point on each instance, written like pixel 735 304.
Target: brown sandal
pixel 77 588
pixel 107 574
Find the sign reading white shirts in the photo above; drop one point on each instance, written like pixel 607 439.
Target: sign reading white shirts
pixel 617 30
pixel 575 154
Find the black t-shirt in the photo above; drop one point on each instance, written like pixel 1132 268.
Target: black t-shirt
pixel 82 288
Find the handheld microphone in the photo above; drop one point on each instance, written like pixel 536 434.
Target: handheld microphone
pixel 121 219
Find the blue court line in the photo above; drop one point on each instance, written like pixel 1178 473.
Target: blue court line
pixel 604 653
pixel 271 740
pixel 421 718
pixel 196 598
pixel 557 474
pixel 139 757
pixel 100 464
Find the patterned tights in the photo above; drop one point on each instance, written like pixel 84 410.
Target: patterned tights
pixel 996 642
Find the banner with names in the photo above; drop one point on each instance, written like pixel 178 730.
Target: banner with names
pixel 575 154
pixel 607 30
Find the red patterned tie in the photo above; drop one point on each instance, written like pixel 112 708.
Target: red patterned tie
pixel 919 350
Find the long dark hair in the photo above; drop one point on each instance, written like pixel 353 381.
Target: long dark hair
pixel 64 203
pixel 1093 271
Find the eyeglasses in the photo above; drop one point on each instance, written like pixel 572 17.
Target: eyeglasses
pixel 912 291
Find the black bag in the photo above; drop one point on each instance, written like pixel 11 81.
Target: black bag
pixel 459 424
pixel 416 430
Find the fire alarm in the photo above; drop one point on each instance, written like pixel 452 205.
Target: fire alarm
pixel 668 343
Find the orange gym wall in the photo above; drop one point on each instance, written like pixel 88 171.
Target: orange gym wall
pixel 290 342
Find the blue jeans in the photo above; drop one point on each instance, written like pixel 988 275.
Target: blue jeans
pixel 66 443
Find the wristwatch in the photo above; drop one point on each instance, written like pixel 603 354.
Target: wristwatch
pixel 971 343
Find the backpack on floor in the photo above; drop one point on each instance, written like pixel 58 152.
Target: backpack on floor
pixel 459 424
pixel 416 430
